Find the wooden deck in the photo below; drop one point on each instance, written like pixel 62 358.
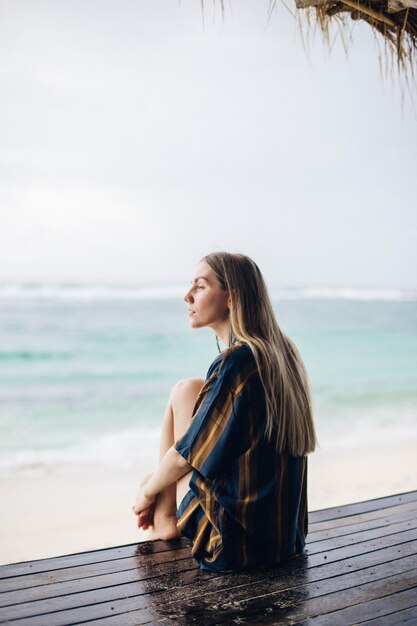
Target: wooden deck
pixel 360 568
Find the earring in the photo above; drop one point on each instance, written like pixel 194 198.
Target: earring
pixel 218 345
pixel 230 329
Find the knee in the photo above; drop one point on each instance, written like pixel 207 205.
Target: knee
pixel 188 387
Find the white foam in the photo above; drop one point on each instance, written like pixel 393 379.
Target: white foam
pixel 346 293
pixel 87 293
pixel 343 429
pixel 121 450
pixel 373 425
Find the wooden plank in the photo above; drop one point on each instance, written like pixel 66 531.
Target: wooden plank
pixel 134 597
pixel 389 512
pixel 288 606
pixel 406 616
pixel 106 584
pixel 137 574
pixel 380 522
pixel 387 606
pixel 362 507
pixel 152 565
pixel 332 555
pixel 117 566
pixel 123 581
pixel 48 566
pixel 105 554
pixel 59 616
pixel 326 588
pixel 76 607
pixel 94 556
pixel 164 579
pixel 366 547
pixel 128 564
pixel 358 537
pixel 142 569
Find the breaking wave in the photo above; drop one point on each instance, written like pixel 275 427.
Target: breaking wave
pixel 91 293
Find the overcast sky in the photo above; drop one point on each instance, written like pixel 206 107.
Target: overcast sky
pixel 134 140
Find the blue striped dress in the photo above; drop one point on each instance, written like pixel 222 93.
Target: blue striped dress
pixel 247 503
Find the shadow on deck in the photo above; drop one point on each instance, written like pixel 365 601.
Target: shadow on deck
pixel 360 568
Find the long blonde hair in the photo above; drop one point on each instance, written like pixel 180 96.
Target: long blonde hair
pixel 280 366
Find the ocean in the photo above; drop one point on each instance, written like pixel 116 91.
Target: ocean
pixel 85 370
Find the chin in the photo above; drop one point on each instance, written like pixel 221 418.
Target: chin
pixel 195 324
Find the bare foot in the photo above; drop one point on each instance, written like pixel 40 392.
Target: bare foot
pixel 164 526
pixel 161 521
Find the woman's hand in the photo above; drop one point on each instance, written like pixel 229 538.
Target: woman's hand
pixel 171 467
pixel 145 515
pixel 142 502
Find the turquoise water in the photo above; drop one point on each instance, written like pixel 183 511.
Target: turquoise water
pixel 85 371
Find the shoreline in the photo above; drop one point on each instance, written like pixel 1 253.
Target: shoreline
pixel 63 513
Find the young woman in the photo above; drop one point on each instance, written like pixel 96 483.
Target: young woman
pixel 233 470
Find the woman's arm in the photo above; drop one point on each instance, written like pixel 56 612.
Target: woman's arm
pixel 170 469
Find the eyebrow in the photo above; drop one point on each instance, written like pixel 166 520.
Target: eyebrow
pixel 199 278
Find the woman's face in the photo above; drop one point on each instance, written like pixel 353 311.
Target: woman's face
pixel 207 301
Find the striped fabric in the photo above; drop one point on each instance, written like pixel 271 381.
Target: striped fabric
pixel 247 504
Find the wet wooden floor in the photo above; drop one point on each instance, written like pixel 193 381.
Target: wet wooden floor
pixel 360 568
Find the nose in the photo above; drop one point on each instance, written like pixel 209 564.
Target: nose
pixel 188 298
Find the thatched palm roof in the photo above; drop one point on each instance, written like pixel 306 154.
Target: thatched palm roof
pixel 396 20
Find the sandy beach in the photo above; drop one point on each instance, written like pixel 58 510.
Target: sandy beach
pixel 55 514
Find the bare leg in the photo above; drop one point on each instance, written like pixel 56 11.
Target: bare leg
pixel 175 423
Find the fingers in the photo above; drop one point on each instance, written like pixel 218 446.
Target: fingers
pixel 145 520
pixel 145 517
pixel 144 511
pixel 143 524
